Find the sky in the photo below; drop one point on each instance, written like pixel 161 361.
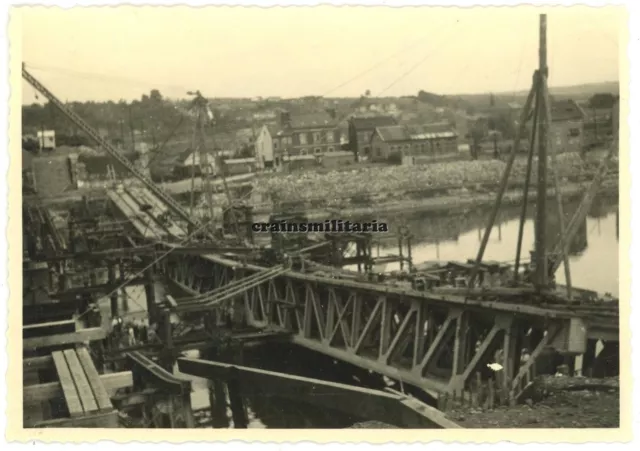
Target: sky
pixel 112 53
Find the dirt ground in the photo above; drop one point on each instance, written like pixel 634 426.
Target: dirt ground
pixel 559 403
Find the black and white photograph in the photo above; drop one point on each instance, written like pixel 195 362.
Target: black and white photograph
pixel 320 218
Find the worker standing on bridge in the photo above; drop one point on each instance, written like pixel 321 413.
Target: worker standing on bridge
pixel 131 335
pixel 144 332
pixel 137 327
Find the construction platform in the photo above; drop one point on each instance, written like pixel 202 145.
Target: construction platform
pixel 76 382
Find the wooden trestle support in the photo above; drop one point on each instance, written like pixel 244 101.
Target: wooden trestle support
pixel 434 342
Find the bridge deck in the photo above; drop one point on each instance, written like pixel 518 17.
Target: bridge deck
pixel 144 196
pixel 557 310
pixel 144 224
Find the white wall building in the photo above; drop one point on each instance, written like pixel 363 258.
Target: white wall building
pixel 264 148
pixel 47 139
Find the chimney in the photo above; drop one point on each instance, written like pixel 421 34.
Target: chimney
pixel 332 112
pixel 285 119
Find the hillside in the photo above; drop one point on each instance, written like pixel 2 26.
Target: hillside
pixel 575 92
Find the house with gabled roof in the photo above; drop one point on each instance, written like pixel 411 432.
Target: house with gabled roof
pixel 315 133
pixel 436 142
pixel 361 130
pixel 567 126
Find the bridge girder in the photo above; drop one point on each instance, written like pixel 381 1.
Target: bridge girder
pixel 428 341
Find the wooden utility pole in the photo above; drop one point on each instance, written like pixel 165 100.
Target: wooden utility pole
pixel 206 167
pixel 540 139
pixel 541 278
pixel 202 111
pixel 122 132
pixel 133 135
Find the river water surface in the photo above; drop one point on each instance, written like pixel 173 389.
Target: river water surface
pixel 593 253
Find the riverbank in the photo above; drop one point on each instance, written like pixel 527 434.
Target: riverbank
pixel 451 202
pixel 577 403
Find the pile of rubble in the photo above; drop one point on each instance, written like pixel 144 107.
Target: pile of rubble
pixel 370 184
pixel 552 402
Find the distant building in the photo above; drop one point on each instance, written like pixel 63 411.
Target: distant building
pixel 361 130
pixel 189 162
pixel 264 115
pixel 236 166
pixel 295 162
pixel 567 124
pixel 46 139
pixel 264 148
pixel 428 143
pixel 337 159
pixel 303 134
pixel 597 127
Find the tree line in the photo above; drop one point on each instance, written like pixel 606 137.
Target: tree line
pixel 152 118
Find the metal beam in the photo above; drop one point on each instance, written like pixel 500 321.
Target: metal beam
pixel 158 376
pixel 34 394
pixel 389 408
pixel 81 336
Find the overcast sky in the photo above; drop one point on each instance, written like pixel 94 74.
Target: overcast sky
pixel 121 52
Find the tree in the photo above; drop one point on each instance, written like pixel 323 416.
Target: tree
pixel 602 101
pixel 477 132
pixel 433 99
pixel 155 96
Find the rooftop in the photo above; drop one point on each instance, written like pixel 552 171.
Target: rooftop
pixel 367 123
pixel 310 120
pixel 416 132
pixel 394 133
pixel 566 110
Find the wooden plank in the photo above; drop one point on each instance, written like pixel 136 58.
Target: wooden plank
pixel 97 387
pixel 37 363
pixel 49 324
pixel 68 387
pixel 151 228
pixel 107 420
pixel 35 394
pixel 87 399
pixel 81 336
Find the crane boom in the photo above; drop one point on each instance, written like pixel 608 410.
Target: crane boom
pixel 77 120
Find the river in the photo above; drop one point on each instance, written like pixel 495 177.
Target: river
pixel 593 254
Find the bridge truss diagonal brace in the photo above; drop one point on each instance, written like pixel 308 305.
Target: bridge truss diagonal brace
pixel 464 368
pixel 235 288
pixel 402 335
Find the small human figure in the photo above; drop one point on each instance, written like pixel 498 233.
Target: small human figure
pixel 144 332
pixel 131 336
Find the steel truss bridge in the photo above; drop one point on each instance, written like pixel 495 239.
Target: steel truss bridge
pixel 436 342
pixel 437 339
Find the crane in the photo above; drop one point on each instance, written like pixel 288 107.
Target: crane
pixel 165 197
pixel 204 114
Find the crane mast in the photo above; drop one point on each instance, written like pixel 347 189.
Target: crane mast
pixel 165 197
